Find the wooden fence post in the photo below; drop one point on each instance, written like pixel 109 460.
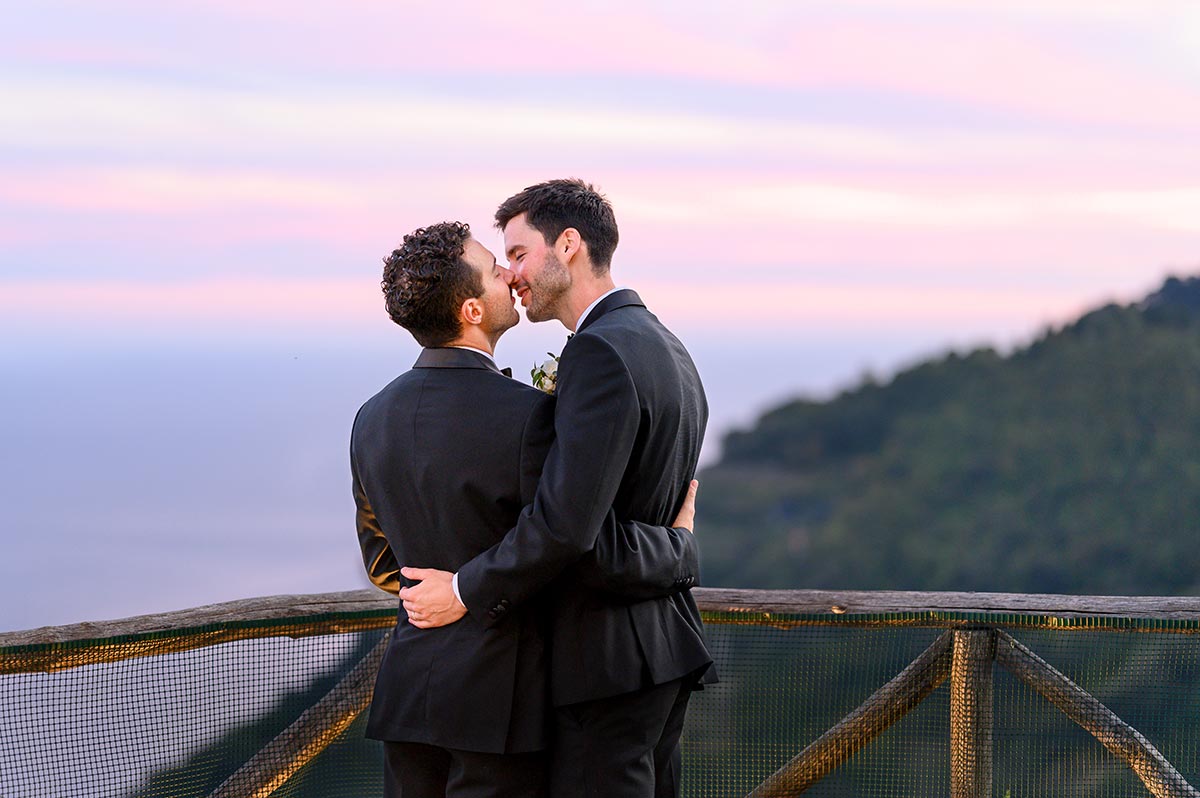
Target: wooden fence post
pixel 971 714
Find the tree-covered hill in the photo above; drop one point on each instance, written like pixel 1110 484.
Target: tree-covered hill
pixel 1072 465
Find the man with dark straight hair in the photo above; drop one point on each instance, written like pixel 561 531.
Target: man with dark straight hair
pixel 443 459
pixel 629 423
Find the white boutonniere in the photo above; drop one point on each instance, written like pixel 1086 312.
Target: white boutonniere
pixel 545 376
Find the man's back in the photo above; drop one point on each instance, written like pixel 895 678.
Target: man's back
pixel 604 646
pixel 674 412
pixel 444 458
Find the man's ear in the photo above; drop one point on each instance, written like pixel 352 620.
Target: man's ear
pixel 471 311
pixel 568 244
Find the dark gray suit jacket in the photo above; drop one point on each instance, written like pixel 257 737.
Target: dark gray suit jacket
pixel 629 422
pixel 443 459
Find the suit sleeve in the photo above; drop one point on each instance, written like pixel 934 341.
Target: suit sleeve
pixel 635 561
pixel 631 560
pixel 596 420
pixel 377 555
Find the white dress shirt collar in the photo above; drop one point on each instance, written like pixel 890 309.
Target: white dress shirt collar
pixel 596 302
pixel 480 351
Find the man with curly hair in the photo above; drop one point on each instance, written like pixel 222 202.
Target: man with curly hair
pixel 629 424
pixel 442 460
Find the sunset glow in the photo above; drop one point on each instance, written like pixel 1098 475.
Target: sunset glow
pixel 196 197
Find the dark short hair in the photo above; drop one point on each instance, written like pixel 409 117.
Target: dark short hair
pixel 427 279
pixel 555 205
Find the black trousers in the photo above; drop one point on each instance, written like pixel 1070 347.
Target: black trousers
pixel 415 770
pixel 626 746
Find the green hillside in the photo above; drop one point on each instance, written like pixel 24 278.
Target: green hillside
pixel 1072 465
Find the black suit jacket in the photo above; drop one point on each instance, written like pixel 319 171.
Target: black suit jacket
pixel 443 459
pixel 629 422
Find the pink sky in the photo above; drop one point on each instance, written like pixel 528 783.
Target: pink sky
pixel 869 162
pixel 195 197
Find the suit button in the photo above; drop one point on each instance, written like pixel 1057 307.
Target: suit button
pixel 504 603
pixel 493 614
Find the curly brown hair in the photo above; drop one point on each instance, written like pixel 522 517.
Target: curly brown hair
pixel 426 281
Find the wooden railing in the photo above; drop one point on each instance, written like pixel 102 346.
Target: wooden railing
pixel 965 654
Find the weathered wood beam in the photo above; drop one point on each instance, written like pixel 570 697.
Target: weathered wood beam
pixel 251 609
pixel 308 735
pixel 856 602
pixel 323 609
pixel 1124 741
pixel 317 614
pixel 971 714
pixel 885 706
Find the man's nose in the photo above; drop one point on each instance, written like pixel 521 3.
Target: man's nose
pixel 509 275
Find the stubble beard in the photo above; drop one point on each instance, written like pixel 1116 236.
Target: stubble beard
pixel 511 319
pixel 547 293
pixel 503 316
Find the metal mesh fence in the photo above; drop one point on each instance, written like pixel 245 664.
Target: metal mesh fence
pixel 905 704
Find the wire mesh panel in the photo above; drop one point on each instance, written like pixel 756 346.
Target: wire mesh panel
pixel 175 724
pixel 904 704
pixel 1148 681
pixel 351 766
pixel 782 688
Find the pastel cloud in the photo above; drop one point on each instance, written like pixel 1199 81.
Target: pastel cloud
pixel 202 120
pixel 700 200
pixel 806 190
pixel 189 302
pixel 352 303
pixel 257 141
pixel 1020 59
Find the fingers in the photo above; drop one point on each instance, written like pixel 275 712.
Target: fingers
pixel 684 518
pixel 412 593
pixel 418 575
pixel 418 607
pixel 431 602
pixel 433 620
pixel 687 513
pixel 416 616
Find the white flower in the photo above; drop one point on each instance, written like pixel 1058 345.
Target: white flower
pixel 545 376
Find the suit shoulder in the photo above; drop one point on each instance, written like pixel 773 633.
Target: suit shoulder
pixel 409 380
pixel 597 338
pixel 624 321
pixel 511 398
pixel 513 389
pixel 596 348
pixel 621 332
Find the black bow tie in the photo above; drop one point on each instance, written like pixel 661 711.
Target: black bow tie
pixel 506 371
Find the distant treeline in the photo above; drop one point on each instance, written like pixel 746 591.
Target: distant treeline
pixel 1072 465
